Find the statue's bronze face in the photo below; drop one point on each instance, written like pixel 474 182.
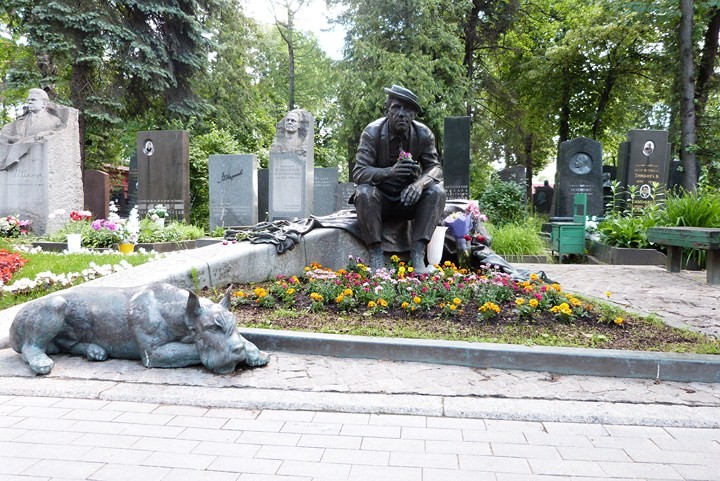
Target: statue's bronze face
pixel 400 115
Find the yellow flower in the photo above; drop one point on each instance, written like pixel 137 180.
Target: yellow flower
pixel 533 277
pixel 394 258
pixel 575 301
pixel 290 291
pixel 348 292
pixel 404 305
pixel 533 303
pixel 371 304
pixel 453 307
pixel 457 301
pixel 401 271
pixel 382 302
pixel 608 294
pixel 416 300
pixel 316 297
pixel 447 263
pixel 619 321
pixel 307 268
pixel 410 268
pixel 520 301
pixel 490 306
pixel 339 299
pixel 557 287
pixel 260 292
pixel 240 294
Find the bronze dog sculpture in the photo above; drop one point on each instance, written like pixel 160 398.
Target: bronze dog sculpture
pixel 161 324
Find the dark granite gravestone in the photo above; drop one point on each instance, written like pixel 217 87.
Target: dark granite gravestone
pixel 579 170
pixel 233 190
pixel 164 171
pixel 644 160
pixel 96 187
pixel 326 181
pixel 608 177
pixel 515 173
pixel 263 194
pixel 343 192
pixel 456 157
pixel 542 199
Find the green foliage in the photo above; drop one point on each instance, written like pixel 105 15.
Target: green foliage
pixel 518 238
pixel 503 202
pixel 697 208
pixel 216 141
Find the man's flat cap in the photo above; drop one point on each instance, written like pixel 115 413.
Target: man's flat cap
pixel 403 94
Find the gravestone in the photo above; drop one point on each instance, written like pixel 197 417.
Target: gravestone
pixel 325 185
pixel 579 171
pixel 343 192
pixel 456 157
pixel 514 173
pixel 233 185
pixel 263 194
pixel 164 172
pixel 42 176
pixel 542 199
pixel 96 187
pixel 292 167
pixel 643 161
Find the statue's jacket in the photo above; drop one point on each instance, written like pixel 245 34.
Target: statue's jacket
pixel 373 154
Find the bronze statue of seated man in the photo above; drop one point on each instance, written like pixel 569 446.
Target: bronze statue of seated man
pixel 398 177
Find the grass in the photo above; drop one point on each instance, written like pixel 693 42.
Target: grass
pixel 58 264
pixel 518 238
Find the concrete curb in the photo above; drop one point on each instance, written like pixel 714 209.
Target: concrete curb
pixel 559 360
pixel 540 410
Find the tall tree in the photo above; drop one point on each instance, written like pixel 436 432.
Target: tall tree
pixel 285 23
pixel 687 98
pixel 109 52
pixel 416 43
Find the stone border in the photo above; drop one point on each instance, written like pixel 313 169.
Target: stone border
pixel 660 366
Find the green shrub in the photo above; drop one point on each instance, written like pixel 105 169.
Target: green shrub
pixel 503 202
pixel 217 141
pixel 698 208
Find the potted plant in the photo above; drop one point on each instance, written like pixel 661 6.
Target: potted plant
pixel 129 232
pixel 158 214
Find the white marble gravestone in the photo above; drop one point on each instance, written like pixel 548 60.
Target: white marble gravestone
pixel 291 171
pixel 44 175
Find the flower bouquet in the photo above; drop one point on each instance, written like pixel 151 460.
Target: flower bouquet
pixel 158 214
pixel 78 219
pixel 465 227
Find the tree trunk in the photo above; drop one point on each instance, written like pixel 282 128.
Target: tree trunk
pixel 79 83
pixel 564 120
pixel 291 61
pixel 602 102
pixel 687 97
pixel 528 167
pixel 706 68
pixel 471 34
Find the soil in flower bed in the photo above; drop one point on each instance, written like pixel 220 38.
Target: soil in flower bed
pixel 543 328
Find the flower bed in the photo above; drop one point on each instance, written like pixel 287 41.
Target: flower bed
pixel 10 263
pixel 453 304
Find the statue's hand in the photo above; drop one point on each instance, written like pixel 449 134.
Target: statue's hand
pixel 405 170
pixel 411 194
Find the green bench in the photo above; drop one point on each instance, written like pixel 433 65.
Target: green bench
pixel 675 238
pixel 569 237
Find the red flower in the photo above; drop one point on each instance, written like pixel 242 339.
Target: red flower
pixel 9 264
pixel 467 237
